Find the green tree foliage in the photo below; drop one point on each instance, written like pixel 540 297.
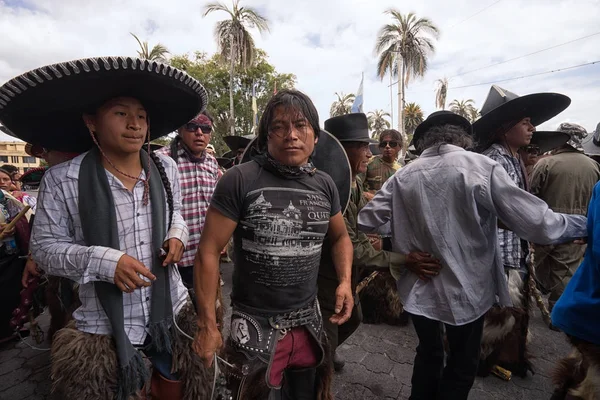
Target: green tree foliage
pixel 214 75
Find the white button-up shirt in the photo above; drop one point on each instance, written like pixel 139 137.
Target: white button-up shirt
pixel 57 245
pixel 447 203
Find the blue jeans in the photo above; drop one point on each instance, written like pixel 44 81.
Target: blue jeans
pixel 161 361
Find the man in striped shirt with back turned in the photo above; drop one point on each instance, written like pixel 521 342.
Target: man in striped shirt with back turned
pixel 198 174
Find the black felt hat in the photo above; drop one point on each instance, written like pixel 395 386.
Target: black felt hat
pixel 56 96
pixel 349 128
pixel 238 142
pixel 502 106
pixel 436 119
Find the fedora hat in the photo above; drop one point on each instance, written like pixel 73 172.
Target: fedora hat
pixel 349 128
pixel 439 118
pixel 58 95
pixel 238 142
pixel 502 106
pixel 549 140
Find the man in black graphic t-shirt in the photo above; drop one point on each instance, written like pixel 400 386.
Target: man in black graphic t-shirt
pixel 278 208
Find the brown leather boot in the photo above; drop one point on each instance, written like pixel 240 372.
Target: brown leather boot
pixel 162 388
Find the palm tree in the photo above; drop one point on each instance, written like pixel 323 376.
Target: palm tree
pixel 474 114
pixel 408 42
pixel 158 53
pixel 235 41
pixel 441 92
pixel 343 104
pixel 413 116
pixel 464 108
pixel 378 122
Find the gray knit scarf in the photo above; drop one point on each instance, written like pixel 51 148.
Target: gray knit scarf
pixel 99 226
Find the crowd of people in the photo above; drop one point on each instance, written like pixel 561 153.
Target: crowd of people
pixel 461 232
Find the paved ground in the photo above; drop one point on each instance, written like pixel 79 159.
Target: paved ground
pixel 379 366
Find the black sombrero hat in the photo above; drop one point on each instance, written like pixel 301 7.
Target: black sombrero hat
pixel 502 106
pixel 238 142
pixel 328 156
pixel 58 95
pixel 549 140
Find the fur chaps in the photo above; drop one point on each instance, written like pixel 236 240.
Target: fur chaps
pixel 254 385
pixel 506 332
pixel 380 301
pixel 85 366
pixel 577 377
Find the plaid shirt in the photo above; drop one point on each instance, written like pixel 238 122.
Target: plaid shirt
pixel 510 243
pixel 198 180
pixel 57 245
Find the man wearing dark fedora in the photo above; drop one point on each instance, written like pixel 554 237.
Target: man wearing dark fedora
pixel 447 203
pixel 353 132
pixel 507 124
pixel 565 181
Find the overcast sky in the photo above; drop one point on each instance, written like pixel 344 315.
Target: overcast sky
pixel 329 43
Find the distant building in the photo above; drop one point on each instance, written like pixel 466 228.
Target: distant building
pixel 13 153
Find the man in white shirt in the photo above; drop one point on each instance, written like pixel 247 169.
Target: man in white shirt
pixel 447 203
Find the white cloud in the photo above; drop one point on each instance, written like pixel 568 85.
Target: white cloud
pixel 329 43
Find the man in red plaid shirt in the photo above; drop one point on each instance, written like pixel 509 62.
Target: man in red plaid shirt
pixel 198 174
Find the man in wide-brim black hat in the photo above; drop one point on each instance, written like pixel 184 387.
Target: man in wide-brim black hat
pixel 507 124
pixel 447 203
pixel 110 220
pixel 353 132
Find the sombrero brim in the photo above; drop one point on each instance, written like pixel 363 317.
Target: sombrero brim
pixel 58 95
pixel 33 175
pixel 590 148
pixel 540 107
pixel 7 131
pixel 330 157
pixel 236 142
pixel 549 140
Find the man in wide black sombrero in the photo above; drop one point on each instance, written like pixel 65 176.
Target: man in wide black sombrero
pixel 237 145
pixel 110 220
pixel 507 125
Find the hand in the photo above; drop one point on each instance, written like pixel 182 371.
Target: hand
pixel 423 265
pixel 5 234
pixel 207 342
pixel 344 301
pixel 174 248
pixel 375 241
pixel 31 269
pixel 127 274
pixel 368 195
pixel 581 241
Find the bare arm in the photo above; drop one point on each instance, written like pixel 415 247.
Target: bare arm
pixel 217 231
pixel 341 251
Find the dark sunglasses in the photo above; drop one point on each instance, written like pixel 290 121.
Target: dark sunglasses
pixel 193 127
pixel 532 149
pixel 391 143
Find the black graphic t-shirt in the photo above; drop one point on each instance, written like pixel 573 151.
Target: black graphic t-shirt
pixel 279 236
